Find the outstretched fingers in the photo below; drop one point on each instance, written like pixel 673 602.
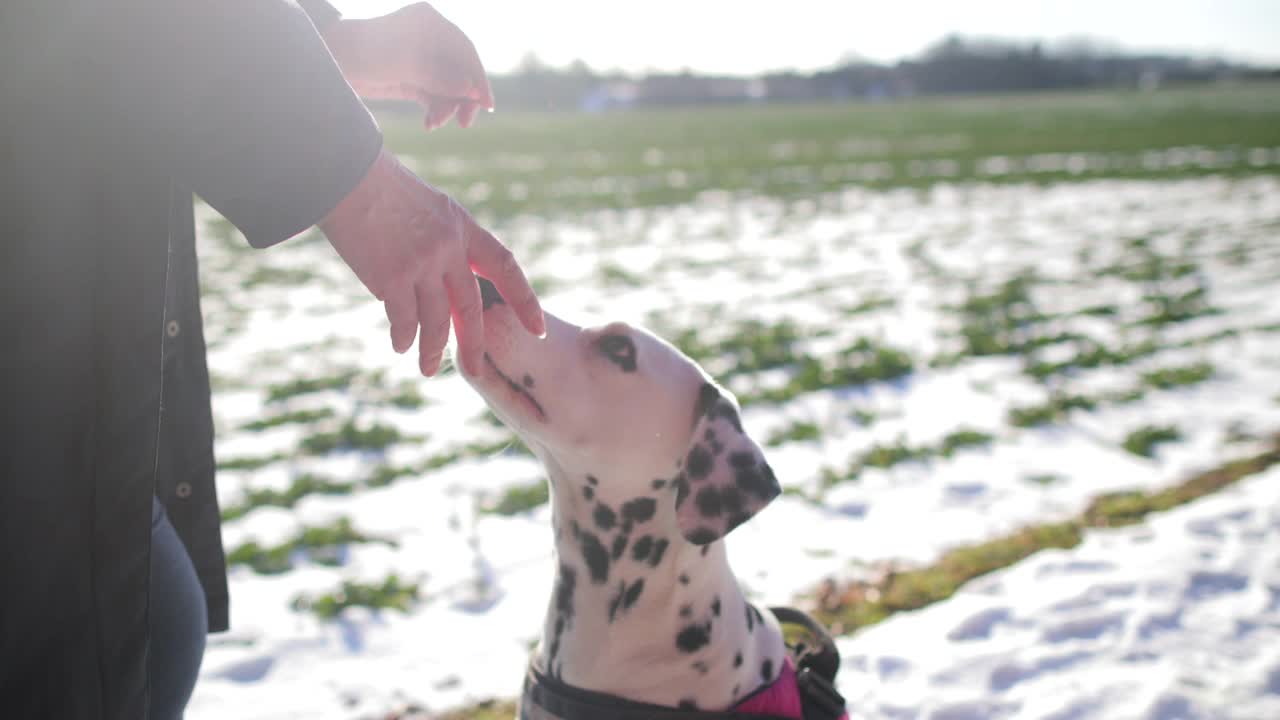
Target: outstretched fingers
pixel 402 310
pixel 491 259
pixel 433 315
pixel 468 317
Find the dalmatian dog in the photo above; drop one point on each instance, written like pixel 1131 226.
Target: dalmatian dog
pixel 649 468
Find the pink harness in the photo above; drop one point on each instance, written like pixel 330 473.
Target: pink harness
pixel 782 698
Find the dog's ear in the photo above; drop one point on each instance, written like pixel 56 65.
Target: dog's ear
pixel 724 479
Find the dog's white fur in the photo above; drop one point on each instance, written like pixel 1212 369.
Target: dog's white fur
pixel 608 436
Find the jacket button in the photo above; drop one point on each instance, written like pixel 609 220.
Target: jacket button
pixel 171 328
pixel 183 490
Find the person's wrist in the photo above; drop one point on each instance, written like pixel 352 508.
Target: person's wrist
pixel 355 207
pixel 348 42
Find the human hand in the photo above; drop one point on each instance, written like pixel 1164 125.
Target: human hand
pixel 415 54
pixel 416 249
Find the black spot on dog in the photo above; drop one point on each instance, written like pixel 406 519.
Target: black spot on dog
pixel 737 659
pixel 577 530
pixel 708 499
pixel 699 462
pixel 564 592
pixel 593 480
pixel 766 670
pixel 706 549
pixel 527 380
pixel 489 295
pixel 732 500
pixel 715 606
pixel 735 521
pixel 708 396
pixel 619 546
pixel 755 479
pixel 605 517
pixel 588 492
pixel 658 484
pixel 641 548
pixel 701 666
pixel 639 510
pixel 682 490
pixel 686 611
pixel 684 579
pixel 702 536
pixel 693 638
pixel 736 691
pixel 687 704
pixel 620 350
pixel 617 600
pixel 659 548
pixel 751 621
pixel 633 594
pixel 726 411
pixel 596 556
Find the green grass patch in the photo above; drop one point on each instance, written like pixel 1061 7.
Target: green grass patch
pixel 407 397
pixel 322 544
pixel 390 594
pixel 1144 440
pixel 862 362
pixel 1053 411
pixel 800 431
pixel 868 306
pixel 250 462
pixel 297 417
pixel 305 386
pixel 963 438
pixel 749 346
pixel 302 486
pixel 887 455
pixel 848 607
pixel 1089 355
pixel 519 499
pixel 1130 507
pixel 349 438
pixel 1176 377
pixel 845 609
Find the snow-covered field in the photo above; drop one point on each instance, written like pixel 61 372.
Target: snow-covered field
pixel 1176 617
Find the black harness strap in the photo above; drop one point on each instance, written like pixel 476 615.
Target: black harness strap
pixel 571 703
pixel 816 668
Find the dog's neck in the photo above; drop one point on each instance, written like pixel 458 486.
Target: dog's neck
pixel 637 611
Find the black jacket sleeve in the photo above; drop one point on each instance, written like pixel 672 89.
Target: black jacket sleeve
pixel 267 131
pixel 322 14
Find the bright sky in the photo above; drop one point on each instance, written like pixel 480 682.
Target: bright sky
pixel 749 36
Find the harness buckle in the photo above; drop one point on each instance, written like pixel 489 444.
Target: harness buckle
pixel 820 694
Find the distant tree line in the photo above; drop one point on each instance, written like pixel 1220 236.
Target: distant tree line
pixel 954 65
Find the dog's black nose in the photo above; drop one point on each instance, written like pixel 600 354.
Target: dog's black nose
pixel 489 294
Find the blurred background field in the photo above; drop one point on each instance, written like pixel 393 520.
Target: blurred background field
pixel 558 162
pixel 1029 338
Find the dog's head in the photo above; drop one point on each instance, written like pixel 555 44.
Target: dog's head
pixel 617 404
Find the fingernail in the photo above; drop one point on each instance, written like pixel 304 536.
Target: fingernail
pixel 431 366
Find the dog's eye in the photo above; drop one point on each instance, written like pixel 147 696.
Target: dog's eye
pixel 620 350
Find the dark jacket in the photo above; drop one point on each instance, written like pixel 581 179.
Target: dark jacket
pixel 111 115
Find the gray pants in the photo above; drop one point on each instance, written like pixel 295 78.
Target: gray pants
pixel 179 621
